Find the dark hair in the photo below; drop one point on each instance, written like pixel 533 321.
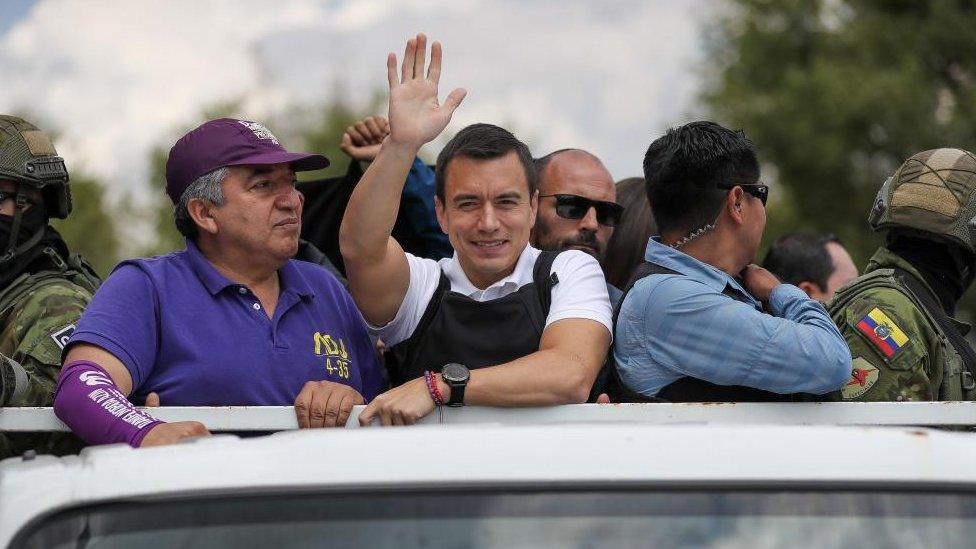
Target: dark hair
pixel 801 257
pixel 684 168
pixel 625 249
pixel 483 142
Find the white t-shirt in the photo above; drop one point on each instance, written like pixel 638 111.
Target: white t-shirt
pixel 580 293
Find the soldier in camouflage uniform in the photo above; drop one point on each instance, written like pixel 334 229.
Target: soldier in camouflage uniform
pixel 43 288
pixel 897 317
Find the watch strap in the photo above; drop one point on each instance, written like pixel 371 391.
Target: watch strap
pixel 457 393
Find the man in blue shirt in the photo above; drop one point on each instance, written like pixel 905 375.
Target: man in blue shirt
pixel 701 323
pixel 230 320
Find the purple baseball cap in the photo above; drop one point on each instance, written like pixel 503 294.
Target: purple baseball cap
pixel 228 142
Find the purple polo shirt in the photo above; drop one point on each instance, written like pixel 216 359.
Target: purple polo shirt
pixel 188 333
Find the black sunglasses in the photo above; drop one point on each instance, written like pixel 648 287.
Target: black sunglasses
pixel 757 190
pixel 571 206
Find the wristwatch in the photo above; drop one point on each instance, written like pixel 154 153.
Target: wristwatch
pixel 456 376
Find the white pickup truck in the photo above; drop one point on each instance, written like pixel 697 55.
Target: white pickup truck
pixel 642 475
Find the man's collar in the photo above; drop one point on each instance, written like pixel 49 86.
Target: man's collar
pixel 205 271
pixel 460 282
pixel 712 276
pixel 290 277
pixel 292 280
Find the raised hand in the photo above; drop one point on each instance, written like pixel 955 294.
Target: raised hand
pixel 759 282
pixel 362 140
pixel 416 115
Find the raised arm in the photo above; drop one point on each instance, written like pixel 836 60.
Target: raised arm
pixel 375 263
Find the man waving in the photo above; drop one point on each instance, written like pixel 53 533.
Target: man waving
pixel 500 323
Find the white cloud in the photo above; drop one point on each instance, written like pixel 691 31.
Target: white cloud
pixel 116 77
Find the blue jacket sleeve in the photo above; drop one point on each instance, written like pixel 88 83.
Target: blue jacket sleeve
pixel 692 329
pixel 418 207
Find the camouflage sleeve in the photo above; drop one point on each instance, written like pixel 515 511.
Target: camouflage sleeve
pixel 34 335
pixel 891 344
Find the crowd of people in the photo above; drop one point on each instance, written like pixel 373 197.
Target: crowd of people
pixel 493 278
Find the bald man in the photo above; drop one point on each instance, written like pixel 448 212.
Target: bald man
pixel 577 203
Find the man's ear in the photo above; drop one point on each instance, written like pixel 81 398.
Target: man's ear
pixel 808 288
pixel 441 214
pixel 201 212
pixel 812 290
pixel 733 205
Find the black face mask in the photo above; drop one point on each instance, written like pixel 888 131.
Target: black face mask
pixel 31 221
pixel 949 270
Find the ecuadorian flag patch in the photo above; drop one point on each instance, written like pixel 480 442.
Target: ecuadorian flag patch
pixel 885 334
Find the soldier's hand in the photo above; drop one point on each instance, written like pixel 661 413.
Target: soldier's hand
pixel 170 433
pixel 759 282
pixel 362 140
pixel 325 404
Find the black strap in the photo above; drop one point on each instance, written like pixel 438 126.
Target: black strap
pixel 931 304
pixel 608 380
pixel 405 353
pixel 411 344
pixel 544 279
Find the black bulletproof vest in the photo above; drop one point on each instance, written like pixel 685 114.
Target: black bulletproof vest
pixel 686 389
pixel 456 328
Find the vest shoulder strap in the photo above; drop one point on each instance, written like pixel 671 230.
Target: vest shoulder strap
pixel 544 279
pixel 84 273
pixel 410 345
pixel 934 310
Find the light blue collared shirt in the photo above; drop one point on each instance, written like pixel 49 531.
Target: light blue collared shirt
pixel 677 325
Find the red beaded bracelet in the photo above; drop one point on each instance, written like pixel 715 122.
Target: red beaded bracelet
pixel 435 392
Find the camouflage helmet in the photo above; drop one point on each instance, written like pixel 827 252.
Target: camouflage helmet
pixel 27 156
pixel 933 192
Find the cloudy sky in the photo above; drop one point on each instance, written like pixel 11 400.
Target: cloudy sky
pixel 117 77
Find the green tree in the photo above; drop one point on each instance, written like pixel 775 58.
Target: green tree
pixel 329 122
pixel 90 230
pixel 836 94
pixel 166 237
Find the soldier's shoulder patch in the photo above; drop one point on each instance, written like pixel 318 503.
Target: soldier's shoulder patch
pixel 62 335
pixel 883 333
pixel 863 376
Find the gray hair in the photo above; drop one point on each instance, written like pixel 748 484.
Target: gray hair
pixel 206 187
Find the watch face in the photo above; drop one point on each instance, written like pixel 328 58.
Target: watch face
pixel 454 372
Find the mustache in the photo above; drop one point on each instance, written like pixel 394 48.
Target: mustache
pixel 582 239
